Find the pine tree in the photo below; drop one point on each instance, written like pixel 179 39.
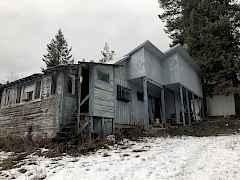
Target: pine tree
pixel 107 54
pixel 58 52
pixel 211 31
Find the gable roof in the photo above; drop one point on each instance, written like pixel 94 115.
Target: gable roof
pixel 183 52
pixel 146 44
pixel 22 80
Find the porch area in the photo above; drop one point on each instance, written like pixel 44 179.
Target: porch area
pixel 167 105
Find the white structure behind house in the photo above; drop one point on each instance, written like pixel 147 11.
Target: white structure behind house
pixel 220 105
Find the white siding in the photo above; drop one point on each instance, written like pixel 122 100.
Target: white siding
pixel 103 94
pixel 154 67
pixel 136 66
pixel 122 109
pixel 221 105
pixel 180 71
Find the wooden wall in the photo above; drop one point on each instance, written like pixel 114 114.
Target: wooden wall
pixel 103 93
pixel 38 115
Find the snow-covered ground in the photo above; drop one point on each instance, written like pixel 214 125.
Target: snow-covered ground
pixel 183 158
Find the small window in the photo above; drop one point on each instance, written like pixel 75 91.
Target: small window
pixel 29 96
pixel 140 96
pixel 54 84
pixel 123 94
pixel 37 90
pixel 19 90
pixel 69 85
pixel 102 76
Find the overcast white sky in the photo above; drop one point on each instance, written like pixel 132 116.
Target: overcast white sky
pixel 28 25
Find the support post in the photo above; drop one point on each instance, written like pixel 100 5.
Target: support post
pixel 188 108
pixel 91 98
pixel 146 113
pixel 194 111
pixel 177 107
pixel 164 121
pixel 203 113
pixel 182 106
pixel 79 96
pixel 200 108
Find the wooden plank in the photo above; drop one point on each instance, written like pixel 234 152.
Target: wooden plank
pixel 146 113
pixel 194 111
pixel 104 114
pixel 84 100
pixel 182 106
pixel 188 108
pixel 91 89
pixel 104 86
pixel 163 105
pixel 101 92
pixel 104 103
pixel 79 104
pixel 177 107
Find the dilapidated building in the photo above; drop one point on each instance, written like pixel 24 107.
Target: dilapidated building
pixel 75 97
pixel 145 88
pixel 158 87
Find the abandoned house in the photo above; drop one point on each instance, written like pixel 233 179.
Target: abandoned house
pixel 145 88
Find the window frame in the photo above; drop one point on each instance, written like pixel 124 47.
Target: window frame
pixel 103 76
pixel 123 93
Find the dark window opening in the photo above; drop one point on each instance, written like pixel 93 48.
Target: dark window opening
pixel 19 90
pixel 8 97
pixel 103 76
pixel 123 94
pixel 37 90
pixel 0 97
pixel 29 96
pixel 54 84
pixel 85 89
pixel 70 85
pixel 140 96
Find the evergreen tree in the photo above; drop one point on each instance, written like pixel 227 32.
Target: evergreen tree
pixel 107 54
pixel 210 29
pixel 58 52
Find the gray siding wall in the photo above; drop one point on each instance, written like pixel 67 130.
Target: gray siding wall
pixel 129 113
pixel 154 67
pixel 172 72
pixel 189 77
pixel 122 109
pixel 137 106
pixel 103 93
pixel 136 66
pixel 180 71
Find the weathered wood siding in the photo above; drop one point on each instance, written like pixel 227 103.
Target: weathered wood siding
pixel 103 98
pixel 180 71
pixel 155 67
pixel 38 115
pixel 128 113
pixel 122 109
pixel 136 65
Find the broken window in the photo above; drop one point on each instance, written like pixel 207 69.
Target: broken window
pixel 54 84
pixel 102 76
pixel 8 96
pixel 140 96
pixel 0 98
pixel 123 94
pixel 69 85
pixel 19 90
pixel 37 90
pixel 29 96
